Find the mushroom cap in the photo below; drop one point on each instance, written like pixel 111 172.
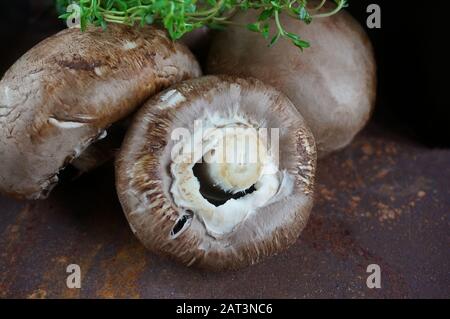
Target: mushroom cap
pixel 64 93
pixel 332 83
pixel 145 181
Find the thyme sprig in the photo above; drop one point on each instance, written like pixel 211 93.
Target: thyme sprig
pixel 181 16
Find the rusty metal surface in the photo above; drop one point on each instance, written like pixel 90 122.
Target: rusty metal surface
pixel 383 200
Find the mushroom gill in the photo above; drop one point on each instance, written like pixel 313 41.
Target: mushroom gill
pixel 233 159
pixel 217 172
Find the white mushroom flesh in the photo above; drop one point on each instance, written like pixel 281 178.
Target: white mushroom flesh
pixel 236 158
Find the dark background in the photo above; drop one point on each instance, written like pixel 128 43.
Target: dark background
pixel 413 54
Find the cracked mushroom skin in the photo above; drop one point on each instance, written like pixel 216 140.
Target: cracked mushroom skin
pixel 182 202
pixel 332 83
pixel 64 94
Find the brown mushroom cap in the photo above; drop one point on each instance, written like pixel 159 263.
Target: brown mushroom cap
pixel 332 83
pixel 65 92
pixel 146 182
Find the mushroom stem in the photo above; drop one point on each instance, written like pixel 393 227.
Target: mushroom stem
pixel 235 164
pixel 94 156
pixel 103 149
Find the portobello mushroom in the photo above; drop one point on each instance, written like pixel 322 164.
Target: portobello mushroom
pixel 199 181
pixel 65 93
pixel 332 83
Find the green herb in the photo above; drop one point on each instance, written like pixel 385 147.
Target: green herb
pixel 181 16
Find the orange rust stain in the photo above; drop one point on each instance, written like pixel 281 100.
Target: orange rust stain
pixel 390 149
pixel 387 213
pixel 38 294
pixel 354 204
pixel 367 149
pixel 349 164
pixel 123 272
pixel 327 194
pixel 12 232
pixel 421 194
pixel 382 173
